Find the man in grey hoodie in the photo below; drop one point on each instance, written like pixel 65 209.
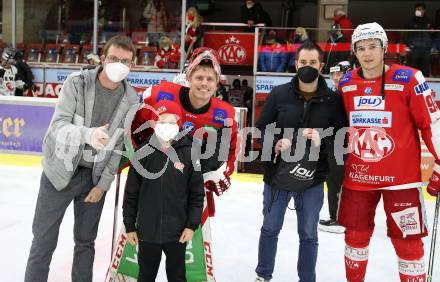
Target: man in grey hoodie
pixel 81 152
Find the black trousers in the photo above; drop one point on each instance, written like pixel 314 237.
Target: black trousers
pixel 150 255
pixel 334 184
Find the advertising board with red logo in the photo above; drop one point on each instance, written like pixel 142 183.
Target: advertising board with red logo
pixel 234 48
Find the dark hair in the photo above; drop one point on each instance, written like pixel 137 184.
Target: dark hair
pixel 122 42
pixel 420 5
pixel 236 83
pixel 309 45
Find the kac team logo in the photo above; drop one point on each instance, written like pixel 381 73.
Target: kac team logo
pixel 232 52
pixel 220 116
pixel 371 144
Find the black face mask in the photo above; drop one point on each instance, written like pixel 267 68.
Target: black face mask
pixel 307 74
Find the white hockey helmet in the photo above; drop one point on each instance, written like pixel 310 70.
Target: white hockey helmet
pixel 369 31
pixel 342 66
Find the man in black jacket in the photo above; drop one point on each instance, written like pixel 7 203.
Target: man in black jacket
pixel 252 13
pixel 304 100
pixel 164 196
pixel 420 42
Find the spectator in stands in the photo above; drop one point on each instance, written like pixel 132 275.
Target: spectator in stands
pixel 236 94
pixel 248 99
pixel 9 81
pixel 222 92
pixel 335 51
pixel 252 13
pixel 193 31
pixel 155 16
pixel 299 38
pixel 341 19
pixel 301 35
pixel 24 73
pixel 273 56
pixel 168 56
pixel 420 42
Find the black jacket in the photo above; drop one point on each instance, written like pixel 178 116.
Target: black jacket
pixel 419 40
pixel 288 109
pixel 256 14
pixel 159 209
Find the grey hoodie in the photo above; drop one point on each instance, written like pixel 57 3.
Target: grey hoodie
pixel 70 127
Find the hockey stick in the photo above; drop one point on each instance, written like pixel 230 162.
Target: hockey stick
pixel 433 239
pixel 115 215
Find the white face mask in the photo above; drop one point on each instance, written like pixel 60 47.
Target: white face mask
pixel 166 131
pixel 249 4
pixel 418 13
pixel 116 71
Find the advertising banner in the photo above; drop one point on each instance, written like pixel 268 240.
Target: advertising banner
pixel 20 130
pixel 38 80
pixel 234 48
pixel 54 80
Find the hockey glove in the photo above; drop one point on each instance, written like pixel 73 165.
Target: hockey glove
pixel 434 182
pixel 217 181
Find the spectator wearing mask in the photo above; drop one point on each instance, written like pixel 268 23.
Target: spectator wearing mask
pixel 252 13
pixel 341 19
pixel 299 38
pixel 193 31
pixel 335 47
pixel 419 42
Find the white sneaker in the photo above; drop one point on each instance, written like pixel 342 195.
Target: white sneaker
pixel 331 226
pixel 261 279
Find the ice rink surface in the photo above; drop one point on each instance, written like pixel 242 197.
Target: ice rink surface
pixel 235 231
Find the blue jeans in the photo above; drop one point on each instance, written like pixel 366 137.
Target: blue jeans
pixel 308 205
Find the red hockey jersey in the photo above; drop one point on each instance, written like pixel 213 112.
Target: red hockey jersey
pixel 219 115
pixel 384 140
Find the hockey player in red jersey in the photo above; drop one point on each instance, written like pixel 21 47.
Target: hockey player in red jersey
pixel 386 106
pixel 201 113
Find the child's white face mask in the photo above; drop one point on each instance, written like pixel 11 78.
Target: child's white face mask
pixel 166 131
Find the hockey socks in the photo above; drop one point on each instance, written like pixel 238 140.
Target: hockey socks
pixel 411 263
pixel 356 254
